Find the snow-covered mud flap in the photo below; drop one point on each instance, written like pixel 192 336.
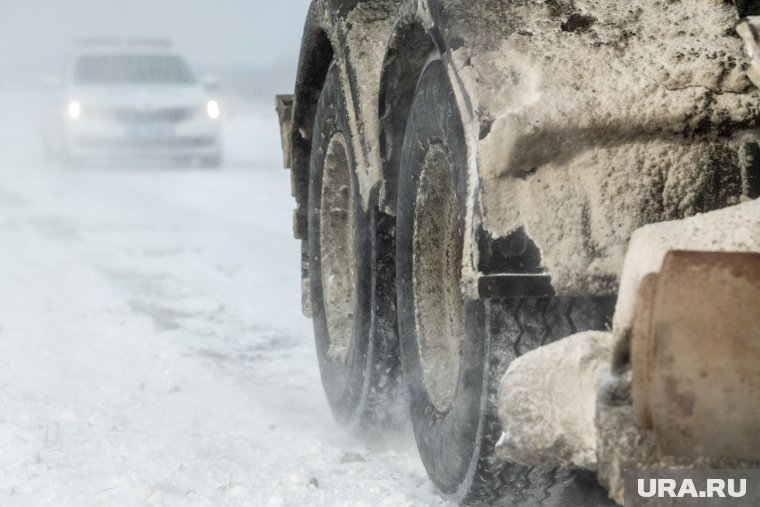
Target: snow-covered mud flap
pixel 677 384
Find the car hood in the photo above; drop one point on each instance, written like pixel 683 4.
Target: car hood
pixel 145 97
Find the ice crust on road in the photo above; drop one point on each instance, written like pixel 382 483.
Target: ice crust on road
pixel 152 350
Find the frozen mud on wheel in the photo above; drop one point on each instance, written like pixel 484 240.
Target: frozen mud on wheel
pixel 356 348
pixel 454 351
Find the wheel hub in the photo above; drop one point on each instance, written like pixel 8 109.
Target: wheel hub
pixel 338 248
pixel 437 269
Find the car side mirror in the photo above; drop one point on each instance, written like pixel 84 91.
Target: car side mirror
pixel 211 82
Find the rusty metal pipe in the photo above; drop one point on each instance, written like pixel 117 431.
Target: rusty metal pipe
pixel 696 355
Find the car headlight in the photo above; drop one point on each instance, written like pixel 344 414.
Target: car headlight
pixel 212 108
pixel 75 110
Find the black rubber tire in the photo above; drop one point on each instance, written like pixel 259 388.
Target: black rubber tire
pixel 363 392
pixel 457 445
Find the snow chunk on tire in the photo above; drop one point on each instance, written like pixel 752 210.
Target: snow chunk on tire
pixel 547 402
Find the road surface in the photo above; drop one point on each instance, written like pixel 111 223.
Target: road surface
pixel 152 350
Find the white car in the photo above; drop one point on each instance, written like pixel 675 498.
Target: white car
pixel 133 100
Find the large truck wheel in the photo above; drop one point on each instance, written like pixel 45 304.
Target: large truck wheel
pixel 357 350
pixel 454 350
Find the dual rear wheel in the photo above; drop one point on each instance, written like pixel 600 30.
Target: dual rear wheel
pixel 394 332
pixel 351 271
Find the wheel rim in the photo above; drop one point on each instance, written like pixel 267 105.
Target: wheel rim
pixel 436 272
pixel 338 248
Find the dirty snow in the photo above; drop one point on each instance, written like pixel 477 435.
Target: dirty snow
pixel 583 151
pixel 557 428
pixel 733 229
pixel 151 346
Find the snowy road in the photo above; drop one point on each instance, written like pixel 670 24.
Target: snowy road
pixel 152 350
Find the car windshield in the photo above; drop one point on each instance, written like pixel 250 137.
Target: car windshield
pixel 114 69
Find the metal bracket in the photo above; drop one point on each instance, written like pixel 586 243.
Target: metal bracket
pixel 514 286
pixel 284 105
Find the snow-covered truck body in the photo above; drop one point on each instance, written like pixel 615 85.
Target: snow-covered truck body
pixel 468 176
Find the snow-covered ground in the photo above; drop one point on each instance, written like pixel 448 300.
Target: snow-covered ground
pixel 152 350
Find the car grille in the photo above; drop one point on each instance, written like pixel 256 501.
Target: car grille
pixel 173 115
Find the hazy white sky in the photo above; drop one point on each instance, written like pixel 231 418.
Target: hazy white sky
pixel 212 33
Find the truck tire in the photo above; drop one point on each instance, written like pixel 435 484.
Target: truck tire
pixel 454 351
pixel 348 250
